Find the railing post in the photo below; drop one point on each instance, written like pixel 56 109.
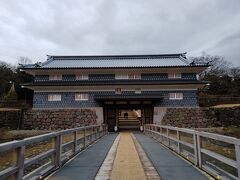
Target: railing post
pixel 58 149
pixel 161 137
pixel 20 162
pixel 156 134
pixel 178 143
pixel 92 134
pixel 199 151
pixel 150 130
pixel 75 141
pixel 106 130
pixel 101 131
pixel 168 140
pixel 237 151
pixel 84 139
pixel 195 149
pixel 96 131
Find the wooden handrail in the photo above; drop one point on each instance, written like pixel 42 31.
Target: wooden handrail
pixel 97 131
pixel 156 131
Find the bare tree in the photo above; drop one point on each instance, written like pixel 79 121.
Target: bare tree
pixel 24 60
pixel 218 65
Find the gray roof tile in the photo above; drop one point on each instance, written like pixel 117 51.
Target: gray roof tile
pixel 131 61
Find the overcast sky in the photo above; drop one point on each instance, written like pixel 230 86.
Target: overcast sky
pixel 88 27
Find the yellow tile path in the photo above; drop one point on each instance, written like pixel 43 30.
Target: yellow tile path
pixel 127 164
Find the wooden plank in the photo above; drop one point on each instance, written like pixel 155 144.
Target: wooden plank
pixel 67 143
pixel 11 145
pixel 8 172
pixel 36 139
pixel 34 159
pixel 218 137
pixel 220 157
pixel 40 172
pixel 216 174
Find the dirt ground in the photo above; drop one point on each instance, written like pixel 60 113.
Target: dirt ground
pixel 10 135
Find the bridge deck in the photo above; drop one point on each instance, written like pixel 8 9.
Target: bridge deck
pixel 86 164
pixel 167 164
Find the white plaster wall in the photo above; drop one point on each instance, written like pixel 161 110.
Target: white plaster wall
pixel 159 113
pixel 99 113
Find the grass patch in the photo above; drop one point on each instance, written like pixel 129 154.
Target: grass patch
pixel 9 109
pixel 226 105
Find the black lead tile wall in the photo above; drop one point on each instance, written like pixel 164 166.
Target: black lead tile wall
pixel 68 99
pixel 144 76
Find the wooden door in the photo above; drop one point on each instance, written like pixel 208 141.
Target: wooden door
pixel 110 117
pixel 148 115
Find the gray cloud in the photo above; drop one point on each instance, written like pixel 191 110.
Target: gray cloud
pixel 36 28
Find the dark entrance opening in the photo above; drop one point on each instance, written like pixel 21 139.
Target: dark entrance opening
pixel 129 119
pixel 117 110
pixel 131 115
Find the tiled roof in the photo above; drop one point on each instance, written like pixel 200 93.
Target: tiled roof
pixel 127 61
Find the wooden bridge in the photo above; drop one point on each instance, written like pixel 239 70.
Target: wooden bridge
pixel 160 152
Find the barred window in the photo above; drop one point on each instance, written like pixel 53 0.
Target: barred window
pixel 54 97
pixel 82 77
pixel 55 77
pixel 128 76
pixel 118 91
pixel 81 97
pixel 138 91
pixel 174 75
pixel 134 76
pixel 121 76
pixel 176 96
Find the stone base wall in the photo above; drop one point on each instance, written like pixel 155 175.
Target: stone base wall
pixel 61 118
pixel 228 116
pixel 10 119
pixel 202 117
pixel 179 117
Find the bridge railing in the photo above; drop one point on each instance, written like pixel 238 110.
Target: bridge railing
pixel 38 156
pixel 216 154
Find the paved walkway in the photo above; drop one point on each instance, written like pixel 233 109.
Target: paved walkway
pixel 85 166
pixel 128 159
pixel 168 165
pixel 127 164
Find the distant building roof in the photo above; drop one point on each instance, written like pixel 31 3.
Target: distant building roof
pixel 121 61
